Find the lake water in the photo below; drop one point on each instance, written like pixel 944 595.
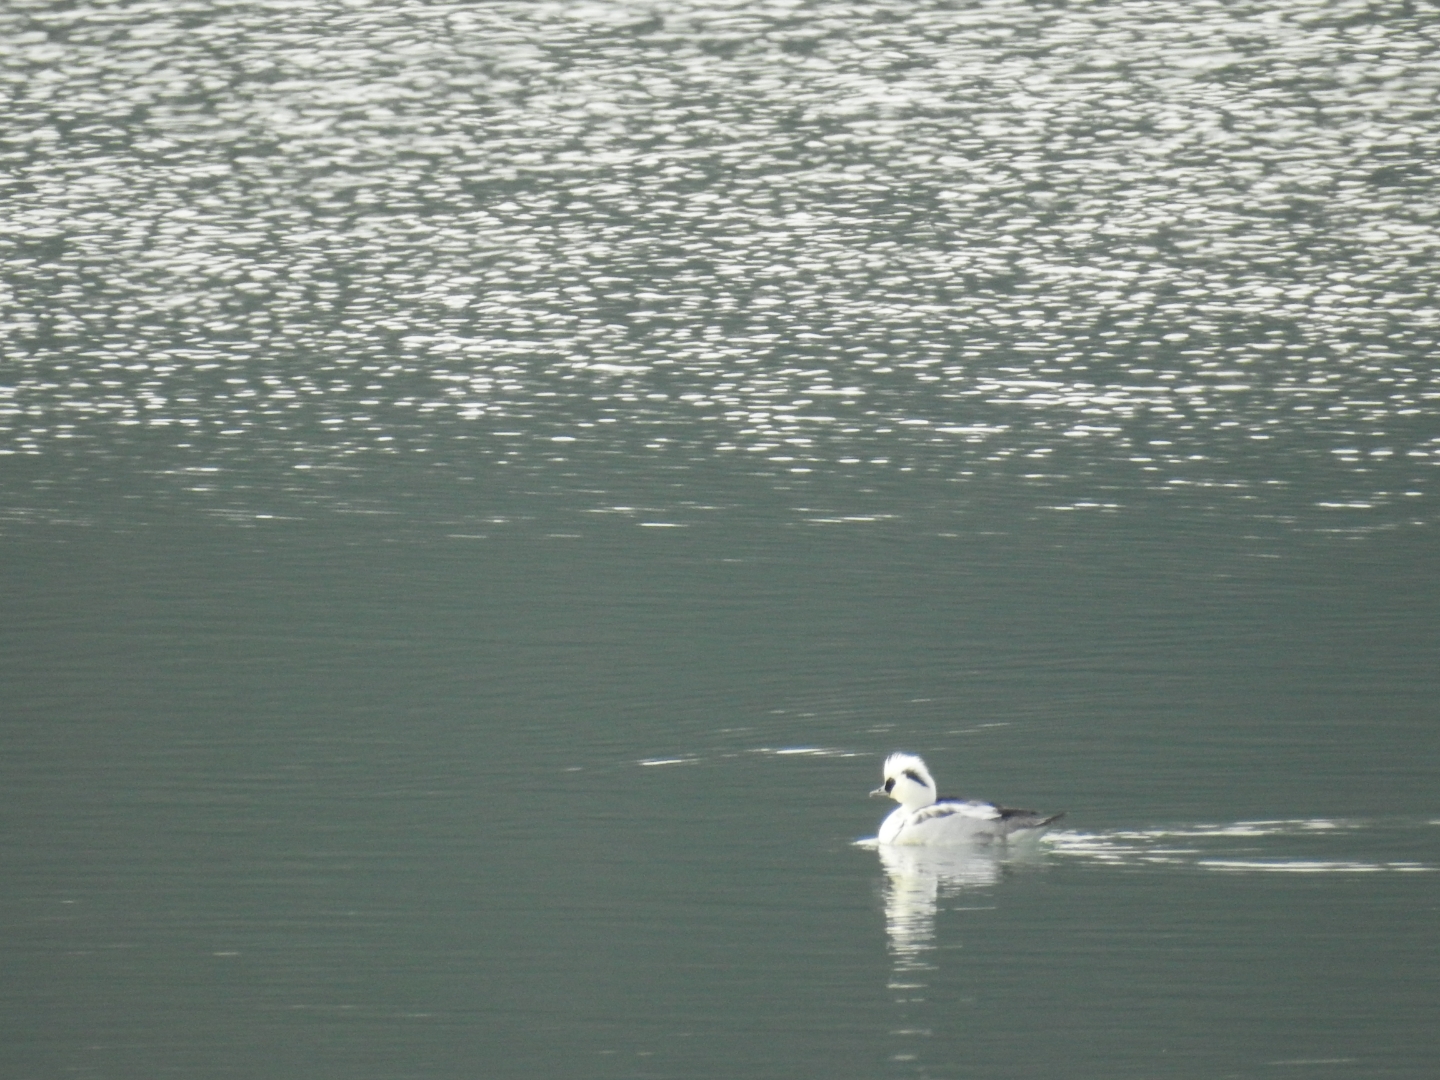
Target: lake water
pixel 483 487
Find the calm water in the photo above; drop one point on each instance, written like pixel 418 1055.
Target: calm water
pixel 482 487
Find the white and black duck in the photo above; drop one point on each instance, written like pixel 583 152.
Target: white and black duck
pixel 924 817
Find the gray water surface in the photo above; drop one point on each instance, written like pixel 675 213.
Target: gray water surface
pixel 482 488
pixel 292 807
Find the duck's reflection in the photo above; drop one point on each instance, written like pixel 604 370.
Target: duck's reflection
pixel 918 879
pixel 918 882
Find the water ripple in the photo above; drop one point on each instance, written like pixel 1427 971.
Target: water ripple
pixel 1239 847
pixel 1095 255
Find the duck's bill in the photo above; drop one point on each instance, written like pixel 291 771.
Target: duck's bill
pixel 879 793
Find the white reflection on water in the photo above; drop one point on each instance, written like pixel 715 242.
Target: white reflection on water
pixel 1090 253
pixel 917 880
pixel 919 883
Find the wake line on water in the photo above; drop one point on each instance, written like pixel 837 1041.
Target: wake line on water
pixel 768 751
pixel 1213 847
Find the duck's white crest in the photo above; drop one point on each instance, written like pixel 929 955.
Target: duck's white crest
pixel 924 817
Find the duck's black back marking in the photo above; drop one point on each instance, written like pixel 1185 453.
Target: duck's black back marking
pixel 1035 822
pixel 934 810
pixel 947 807
pixel 1007 812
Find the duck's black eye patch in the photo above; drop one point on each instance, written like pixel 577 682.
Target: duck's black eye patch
pixel 889 785
pixel 913 775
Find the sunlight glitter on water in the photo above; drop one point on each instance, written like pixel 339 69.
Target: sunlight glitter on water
pixel 809 245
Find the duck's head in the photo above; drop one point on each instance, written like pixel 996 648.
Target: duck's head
pixel 907 781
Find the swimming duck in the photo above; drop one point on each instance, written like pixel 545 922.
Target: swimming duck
pixel 925 817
